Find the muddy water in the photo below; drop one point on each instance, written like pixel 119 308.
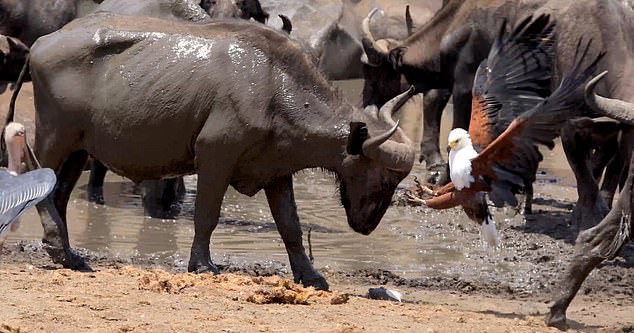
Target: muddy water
pixel 403 242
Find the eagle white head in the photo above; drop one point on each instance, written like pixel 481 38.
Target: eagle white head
pixel 459 138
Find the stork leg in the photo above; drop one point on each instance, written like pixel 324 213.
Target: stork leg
pixel 576 138
pixel 594 245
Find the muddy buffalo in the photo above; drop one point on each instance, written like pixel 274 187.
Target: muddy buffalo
pixel 239 104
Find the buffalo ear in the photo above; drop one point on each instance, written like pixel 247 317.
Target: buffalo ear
pixel 356 138
pixel 396 56
pixel 12 43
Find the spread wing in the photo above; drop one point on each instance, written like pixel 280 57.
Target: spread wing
pixel 514 153
pixel 514 78
pixel 19 193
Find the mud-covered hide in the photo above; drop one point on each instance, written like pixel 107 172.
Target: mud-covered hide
pixel 328 29
pixel 175 10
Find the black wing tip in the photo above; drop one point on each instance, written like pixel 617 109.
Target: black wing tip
pixel 540 25
pixel 576 75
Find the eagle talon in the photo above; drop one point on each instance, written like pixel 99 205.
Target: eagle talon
pixel 414 199
pixel 428 190
pixel 424 188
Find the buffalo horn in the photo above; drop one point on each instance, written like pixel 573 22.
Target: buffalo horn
pixel 373 51
pixel 613 108
pixel 392 155
pixel 393 105
pixel 408 21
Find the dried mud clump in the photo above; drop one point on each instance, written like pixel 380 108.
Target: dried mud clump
pixel 258 290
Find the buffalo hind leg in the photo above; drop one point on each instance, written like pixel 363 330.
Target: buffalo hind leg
pixel 611 179
pixel 95 182
pixel 52 211
pixel 161 197
pixel 604 241
pixel 577 140
pixel 528 196
pixel 434 102
pixel 280 196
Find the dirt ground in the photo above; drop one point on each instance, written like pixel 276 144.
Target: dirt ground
pixel 37 296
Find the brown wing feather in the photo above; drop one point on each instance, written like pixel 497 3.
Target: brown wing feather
pixel 514 78
pixel 480 129
pixel 504 162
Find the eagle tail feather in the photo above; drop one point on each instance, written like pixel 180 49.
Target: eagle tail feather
pixel 489 231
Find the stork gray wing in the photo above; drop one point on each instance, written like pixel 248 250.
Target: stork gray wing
pixel 19 193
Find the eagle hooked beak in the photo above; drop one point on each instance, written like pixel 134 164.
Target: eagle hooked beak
pixel 453 144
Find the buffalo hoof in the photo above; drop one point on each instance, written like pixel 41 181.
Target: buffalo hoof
pixel 95 195
pixel 317 281
pixel 586 216
pixel 556 319
pixel 67 258
pixel 528 209
pixel 202 267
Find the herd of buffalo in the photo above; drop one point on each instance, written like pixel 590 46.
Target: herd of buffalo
pixel 239 102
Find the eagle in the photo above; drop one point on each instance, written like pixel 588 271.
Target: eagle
pixel 511 115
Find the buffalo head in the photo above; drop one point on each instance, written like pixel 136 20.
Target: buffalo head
pixel 252 9
pixel 422 65
pixel 245 9
pixel 374 165
pixel 207 5
pixel 13 54
pixel 381 81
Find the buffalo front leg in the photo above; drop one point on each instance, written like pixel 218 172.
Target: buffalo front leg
pixel 279 194
pixel 604 241
pixel 211 187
